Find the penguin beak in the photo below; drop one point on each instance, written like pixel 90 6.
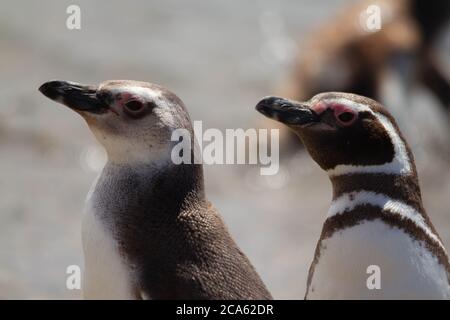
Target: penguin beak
pixel 74 95
pixel 287 111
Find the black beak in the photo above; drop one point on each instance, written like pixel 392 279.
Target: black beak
pixel 287 111
pixel 74 95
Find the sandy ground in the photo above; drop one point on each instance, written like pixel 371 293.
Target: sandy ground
pixel 219 57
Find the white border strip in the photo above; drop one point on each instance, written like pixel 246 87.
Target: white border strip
pixel 348 201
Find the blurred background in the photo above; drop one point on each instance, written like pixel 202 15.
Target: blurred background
pixel 220 57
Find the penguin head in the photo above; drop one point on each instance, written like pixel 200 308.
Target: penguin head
pixel 133 120
pixel 343 130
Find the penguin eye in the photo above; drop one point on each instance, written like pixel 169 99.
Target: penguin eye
pixel 346 118
pixel 134 108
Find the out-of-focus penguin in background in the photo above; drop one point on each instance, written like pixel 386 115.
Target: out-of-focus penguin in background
pixel 385 64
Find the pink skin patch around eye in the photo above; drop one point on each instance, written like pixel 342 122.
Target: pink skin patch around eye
pixel 125 97
pixel 337 108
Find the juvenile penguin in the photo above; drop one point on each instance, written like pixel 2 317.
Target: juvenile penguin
pixel 377 241
pixel 148 231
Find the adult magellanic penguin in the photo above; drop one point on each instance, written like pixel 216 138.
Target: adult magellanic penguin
pixel 376 221
pixel 148 230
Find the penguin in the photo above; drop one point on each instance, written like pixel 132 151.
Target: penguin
pixel 148 231
pixel 340 55
pixel 376 224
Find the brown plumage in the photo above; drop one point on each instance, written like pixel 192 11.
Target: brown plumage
pixel 171 242
pixel 375 183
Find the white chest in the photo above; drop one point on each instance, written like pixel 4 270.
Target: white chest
pixel 106 275
pixel 407 269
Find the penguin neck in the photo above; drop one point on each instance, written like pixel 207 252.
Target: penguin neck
pixel 399 187
pixel 159 180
